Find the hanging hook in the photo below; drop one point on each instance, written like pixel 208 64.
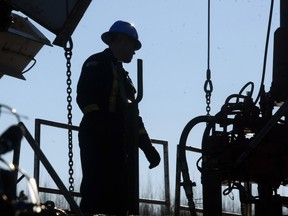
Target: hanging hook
pixel 68 44
pixel 208 86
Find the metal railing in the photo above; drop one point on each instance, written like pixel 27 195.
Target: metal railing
pixel 167 201
pixel 40 122
pixel 41 156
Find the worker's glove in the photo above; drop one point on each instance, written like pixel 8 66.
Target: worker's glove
pixel 146 146
pixel 153 157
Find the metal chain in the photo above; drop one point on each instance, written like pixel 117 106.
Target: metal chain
pixel 68 55
pixel 208 86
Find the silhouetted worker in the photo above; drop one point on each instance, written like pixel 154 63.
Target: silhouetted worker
pixel 103 92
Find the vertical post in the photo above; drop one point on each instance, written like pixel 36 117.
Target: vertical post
pixel 133 163
pixel 166 178
pixel 212 196
pixel 177 182
pixel 248 206
pixel 280 55
pixel 283 13
pixel 133 154
pixel 211 176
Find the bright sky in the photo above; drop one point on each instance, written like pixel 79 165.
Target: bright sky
pixel 174 53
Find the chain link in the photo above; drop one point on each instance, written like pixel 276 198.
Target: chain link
pixel 208 88
pixel 68 55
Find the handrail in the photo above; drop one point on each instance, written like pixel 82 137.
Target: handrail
pixel 166 174
pixel 51 171
pixel 166 202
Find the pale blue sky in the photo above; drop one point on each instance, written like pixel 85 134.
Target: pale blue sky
pixel 174 53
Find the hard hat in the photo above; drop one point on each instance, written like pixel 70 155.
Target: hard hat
pixel 123 28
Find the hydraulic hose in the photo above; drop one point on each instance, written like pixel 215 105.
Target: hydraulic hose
pixel 187 184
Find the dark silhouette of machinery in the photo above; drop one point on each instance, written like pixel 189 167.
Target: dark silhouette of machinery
pixel 246 142
pixel 20 41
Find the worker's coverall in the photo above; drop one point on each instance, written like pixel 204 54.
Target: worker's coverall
pixel 103 91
